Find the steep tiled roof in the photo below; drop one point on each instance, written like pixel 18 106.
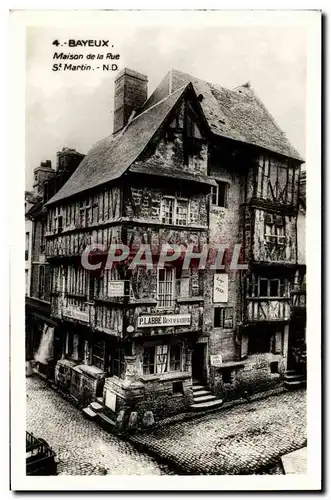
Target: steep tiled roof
pixel 236 114
pixel 112 156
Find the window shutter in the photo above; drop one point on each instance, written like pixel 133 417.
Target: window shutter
pixel 244 346
pixel 278 343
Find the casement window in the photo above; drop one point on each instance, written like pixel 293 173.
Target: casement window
pixel 174 210
pixel 149 360
pixel 267 287
pixel 262 342
pixel 85 213
pixel 274 230
pixel 27 241
pixel 223 317
pixel 162 359
pixel 166 287
pixel 58 220
pixel 182 212
pixel 175 357
pixel 41 282
pixel 219 194
pixel 98 354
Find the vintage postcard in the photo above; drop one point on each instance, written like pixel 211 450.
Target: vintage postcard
pixel 172 242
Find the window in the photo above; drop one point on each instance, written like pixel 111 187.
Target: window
pixel 166 286
pixel 227 375
pixel 58 220
pixel 98 354
pixel 85 213
pixel 275 231
pixel 41 284
pixel 274 367
pixel 223 317
pixel 167 210
pixel 274 288
pixel 219 194
pixel 149 360
pixel 27 241
pixel 26 282
pixel 162 358
pixel 258 342
pixel 182 212
pixel 266 166
pixel 267 287
pixel 174 210
pixel 263 292
pixel 175 357
pixel 177 388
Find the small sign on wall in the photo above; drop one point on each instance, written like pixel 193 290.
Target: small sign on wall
pixel 221 285
pixel 216 360
pixel 116 289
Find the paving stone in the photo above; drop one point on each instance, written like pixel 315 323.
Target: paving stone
pixel 244 439
pixel 81 446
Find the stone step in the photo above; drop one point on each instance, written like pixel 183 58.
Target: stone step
pixel 105 421
pixel 100 400
pixel 198 388
pixel 294 376
pixel 196 381
pixel 203 399
pixel 208 405
pixel 96 407
pixel 88 412
pixel 293 384
pixel 200 392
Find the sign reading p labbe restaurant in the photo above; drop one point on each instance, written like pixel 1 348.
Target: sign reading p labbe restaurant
pixel 164 320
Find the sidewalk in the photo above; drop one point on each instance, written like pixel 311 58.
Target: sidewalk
pixel 242 440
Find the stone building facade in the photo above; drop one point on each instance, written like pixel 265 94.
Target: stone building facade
pixel 192 166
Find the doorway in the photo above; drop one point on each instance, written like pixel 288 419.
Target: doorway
pixel 198 362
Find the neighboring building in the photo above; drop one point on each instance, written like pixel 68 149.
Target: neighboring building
pixel 297 340
pixel 192 164
pixel 46 182
pixel 29 201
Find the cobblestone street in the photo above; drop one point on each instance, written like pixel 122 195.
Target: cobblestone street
pixel 81 446
pixel 247 439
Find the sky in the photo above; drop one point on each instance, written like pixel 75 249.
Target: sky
pixel 75 109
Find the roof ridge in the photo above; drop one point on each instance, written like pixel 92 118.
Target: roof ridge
pixel 159 102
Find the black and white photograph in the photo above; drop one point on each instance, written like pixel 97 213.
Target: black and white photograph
pixel 167 193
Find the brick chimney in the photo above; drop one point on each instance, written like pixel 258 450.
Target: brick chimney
pixel 42 174
pixel 130 94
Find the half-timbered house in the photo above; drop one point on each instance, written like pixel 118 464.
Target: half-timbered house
pixel 193 165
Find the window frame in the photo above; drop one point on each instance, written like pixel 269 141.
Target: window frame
pixel 164 304
pixel 176 202
pixel 162 359
pixel 217 194
pixel 226 317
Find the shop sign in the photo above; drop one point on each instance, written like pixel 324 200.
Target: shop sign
pixel 221 283
pixel 216 360
pixel 164 320
pixel 76 314
pixel 116 289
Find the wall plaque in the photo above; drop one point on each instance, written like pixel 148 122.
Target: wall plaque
pixel 221 283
